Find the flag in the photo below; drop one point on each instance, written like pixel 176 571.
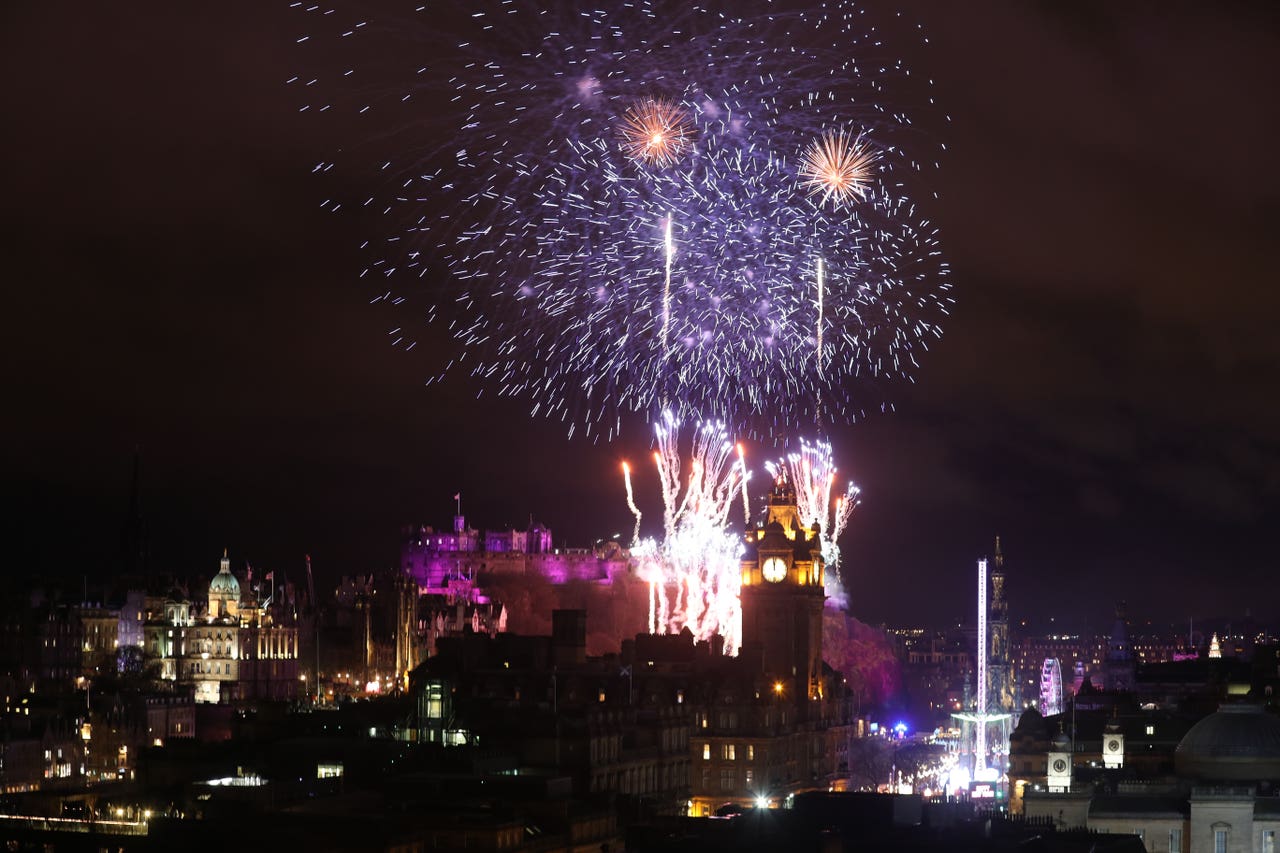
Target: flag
pixel 271 575
pixel 458 496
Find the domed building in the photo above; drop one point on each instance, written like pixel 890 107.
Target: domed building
pixel 224 591
pixel 1239 743
pixel 242 647
pixel 1224 796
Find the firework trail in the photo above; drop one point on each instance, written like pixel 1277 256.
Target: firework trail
pixel 812 473
pixel 620 209
pixel 694 571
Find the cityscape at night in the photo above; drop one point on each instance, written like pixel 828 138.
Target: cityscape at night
pixel 506 425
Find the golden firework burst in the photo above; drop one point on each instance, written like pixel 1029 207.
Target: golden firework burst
pixel 656 131
pixel 838 167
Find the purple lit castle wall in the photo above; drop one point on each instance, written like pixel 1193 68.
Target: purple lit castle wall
pixel 432 557
pixel 521 570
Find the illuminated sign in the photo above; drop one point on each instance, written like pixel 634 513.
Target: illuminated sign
pixel 982 791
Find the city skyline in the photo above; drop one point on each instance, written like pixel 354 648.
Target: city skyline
pixel 1098 399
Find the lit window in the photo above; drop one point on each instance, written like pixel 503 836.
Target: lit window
pixel 1219 841
pixel 1268 841
pixel 728 752
pixel 1151 730
pixel 1175 840
pixel 706 752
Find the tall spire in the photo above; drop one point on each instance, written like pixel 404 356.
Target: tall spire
pixel 999 554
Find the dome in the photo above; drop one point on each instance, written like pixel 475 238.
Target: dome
pixel 224 583
pixel 1238 743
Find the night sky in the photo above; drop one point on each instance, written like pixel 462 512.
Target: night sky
pixel 1104 397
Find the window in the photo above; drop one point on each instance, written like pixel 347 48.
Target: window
pixel 435 701
pixel 1219 841
pixel 750 777
pixel 728 752
pixel 751 752
pixel 1151 730
pixel 706 752
pixel 727 780
pixel 1175 840
pixel 1268 841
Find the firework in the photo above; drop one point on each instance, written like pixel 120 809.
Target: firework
pixel 838 168
pixel 562 156
pixel 631 501
pixel 656 131
pixel 817 332
pixel 812 472
pixel 694 571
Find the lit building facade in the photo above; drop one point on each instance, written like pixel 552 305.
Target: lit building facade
pixel 232 651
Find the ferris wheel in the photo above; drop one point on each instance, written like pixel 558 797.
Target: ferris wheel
pixel 1051 687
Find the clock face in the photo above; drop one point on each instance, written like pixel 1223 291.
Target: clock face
pixel 1059 765
pixel 1113 746
pixel 774 569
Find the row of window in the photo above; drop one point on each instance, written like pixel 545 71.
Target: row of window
pixel 728 779
pixel 729 719
pixel 215 669
pixel 1221 836
pixel 729 752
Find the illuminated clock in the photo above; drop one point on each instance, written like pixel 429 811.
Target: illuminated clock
pixel 1113 745
pixel 774 569
pixel 1059 765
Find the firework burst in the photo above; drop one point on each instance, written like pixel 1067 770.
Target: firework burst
pixel 512 208
pixel 839 168
pixel 656 131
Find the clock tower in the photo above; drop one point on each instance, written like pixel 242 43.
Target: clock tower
pixel 1113 745
pixel 1058 773
pixel 782 597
